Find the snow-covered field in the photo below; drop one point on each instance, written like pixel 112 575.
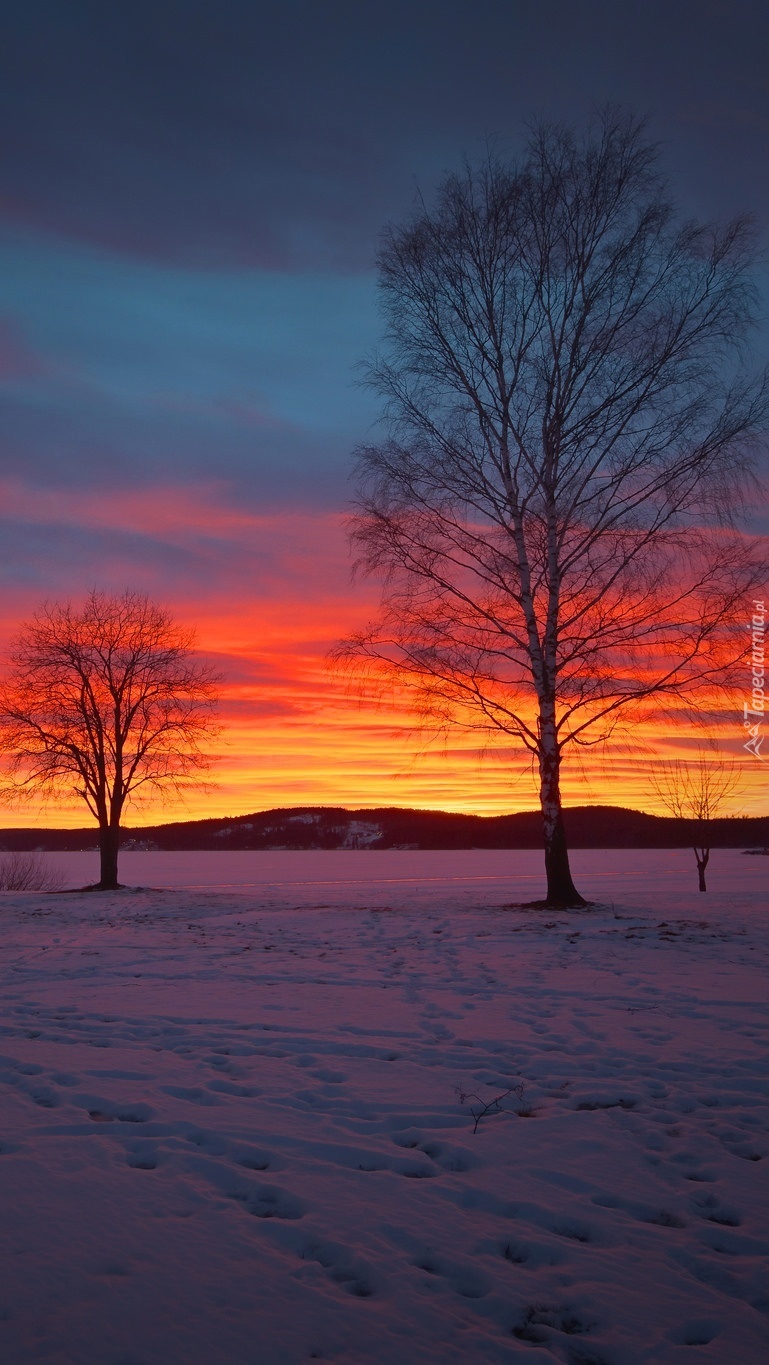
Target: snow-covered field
pixel 237 1122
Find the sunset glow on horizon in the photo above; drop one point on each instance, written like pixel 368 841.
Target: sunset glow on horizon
pixel 274 597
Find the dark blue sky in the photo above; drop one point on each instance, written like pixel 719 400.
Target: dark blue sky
pixel 192 194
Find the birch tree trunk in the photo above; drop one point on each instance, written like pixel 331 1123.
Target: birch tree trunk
pixel 561 891
pixel 109 843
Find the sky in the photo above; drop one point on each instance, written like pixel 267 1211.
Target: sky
pixel 191 199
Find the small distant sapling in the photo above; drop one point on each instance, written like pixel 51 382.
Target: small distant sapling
pixel 696 790
pixel 28 872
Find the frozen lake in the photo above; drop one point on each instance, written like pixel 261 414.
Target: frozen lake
pixel 477 876
pixel 248 1117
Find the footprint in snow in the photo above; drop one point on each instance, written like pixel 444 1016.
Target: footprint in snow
pixel 696 1332
pixel 531 1254
pixel 448 1157
pixel 44 1096
pixel 142 1159
pixel 465 1280
pixel 192 1094
pixel 254 1161
pixel 267 1201
pixel 643 1213
pixel 747 1151
pixel 223 1087
pixel 343 1268
pixel 573 1230
pixel 711 1209
pixel 539 1321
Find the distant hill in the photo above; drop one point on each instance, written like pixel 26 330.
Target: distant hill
pixel 316 827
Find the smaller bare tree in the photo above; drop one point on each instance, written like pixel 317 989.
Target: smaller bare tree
pixel 696 790
pixel 28 872
pixel 106 702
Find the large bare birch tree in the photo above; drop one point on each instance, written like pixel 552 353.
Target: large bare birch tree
pixel 106 702
pixel 570 434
